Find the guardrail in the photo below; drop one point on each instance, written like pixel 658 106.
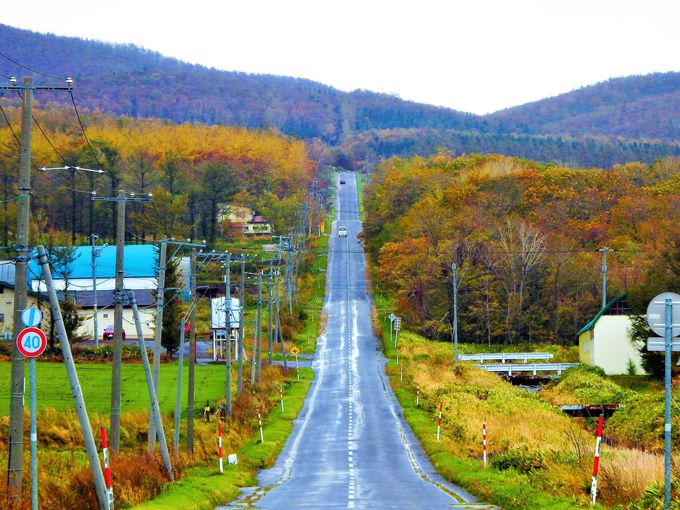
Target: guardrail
pixel 534 368
pixel 505 356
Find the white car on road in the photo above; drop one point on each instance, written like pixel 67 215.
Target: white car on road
pixel 342 231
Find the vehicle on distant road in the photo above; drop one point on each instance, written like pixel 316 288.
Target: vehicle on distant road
pixel 108 333
pixel 342 231
pixel 342 181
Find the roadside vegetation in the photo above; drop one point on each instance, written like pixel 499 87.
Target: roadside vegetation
pixel 524 236
pixel 539 458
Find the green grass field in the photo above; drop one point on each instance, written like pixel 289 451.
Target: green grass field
pixel 95 380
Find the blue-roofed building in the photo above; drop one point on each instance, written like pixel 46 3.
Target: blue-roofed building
pixel 139 265
pixel 140 275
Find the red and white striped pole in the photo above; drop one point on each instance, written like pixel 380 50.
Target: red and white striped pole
pixel 281 397
pixel 596 464
pixel 484 442
pixel 107 467
pixel 219 444
pixel 439 420
pixel 259 422
pixel 418 395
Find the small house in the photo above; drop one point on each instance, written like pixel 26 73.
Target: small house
pixel 84 299
pixel 243 220
pixel 7 309
pixel 605 341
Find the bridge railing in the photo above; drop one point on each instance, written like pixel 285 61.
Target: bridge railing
pixel 534 368
pixel 505 356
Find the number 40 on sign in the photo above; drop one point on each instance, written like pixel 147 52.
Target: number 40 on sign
pixel 31 342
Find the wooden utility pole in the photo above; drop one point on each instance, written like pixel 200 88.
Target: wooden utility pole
pixel 121 199
pixel 192 355
pixel 117 325
pixel 158 331
pixel 16 414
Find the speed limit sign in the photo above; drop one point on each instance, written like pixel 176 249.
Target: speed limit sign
pixel 31 342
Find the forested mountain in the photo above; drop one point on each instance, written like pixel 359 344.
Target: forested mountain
pixel 624 119
pixel 633 107
pixel 562 150
pixel 131 81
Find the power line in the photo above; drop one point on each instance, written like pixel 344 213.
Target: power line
pixel 23 66
pixel 9 125
pixel 82 129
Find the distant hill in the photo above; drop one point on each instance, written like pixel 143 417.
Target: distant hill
pixel 598 125
pixel 128 80
pixel 633 107
pixel 561 150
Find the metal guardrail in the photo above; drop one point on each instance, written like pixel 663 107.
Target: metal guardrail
pixel 534 368
pixel 505 356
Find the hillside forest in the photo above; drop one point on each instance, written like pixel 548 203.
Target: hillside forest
pixel 623 119
pixel 190 170
pixel 524 237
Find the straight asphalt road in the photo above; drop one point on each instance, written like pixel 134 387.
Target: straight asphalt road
pixel 350 447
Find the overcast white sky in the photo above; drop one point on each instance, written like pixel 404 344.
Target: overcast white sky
pixel 474 55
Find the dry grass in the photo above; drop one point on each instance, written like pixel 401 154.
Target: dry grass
pixel 525 432
pixel 64 475
pixel 625 473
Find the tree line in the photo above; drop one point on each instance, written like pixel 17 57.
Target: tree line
pixel 191 170
pixel 524 236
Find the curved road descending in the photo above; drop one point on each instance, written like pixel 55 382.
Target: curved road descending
pixel 350 447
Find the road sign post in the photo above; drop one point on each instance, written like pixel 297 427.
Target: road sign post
pixel 31 342
pixel 664 306
pixel 391 317
pixel 294 351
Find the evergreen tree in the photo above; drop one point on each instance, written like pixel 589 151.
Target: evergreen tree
pixel 172 310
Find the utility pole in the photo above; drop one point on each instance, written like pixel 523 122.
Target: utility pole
pixel 21 247
pixel 155 411
pixel 76 392
pixel 178 401
pixel 227 332
pixel 259 328
pixel 270 337
pixel 278 323
pixel 604 251
pixel 158 331
pixel 93 237
pixel 241 335
pixel 454 325
pixel 192 355
pixel 16 416
pixel 118 325
pixel 121 199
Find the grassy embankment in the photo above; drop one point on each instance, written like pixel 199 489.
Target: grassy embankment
pixel 539 457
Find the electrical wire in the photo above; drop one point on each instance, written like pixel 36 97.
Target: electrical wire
pixel 5 76
pixel 35 121
pixel 82 129
pixel 9 125
pixel 15 62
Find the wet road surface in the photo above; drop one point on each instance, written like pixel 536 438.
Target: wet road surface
pixel 350 447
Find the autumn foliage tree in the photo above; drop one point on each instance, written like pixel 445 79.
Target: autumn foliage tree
pixel 524 236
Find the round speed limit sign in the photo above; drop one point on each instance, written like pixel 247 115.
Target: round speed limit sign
pixel 31 342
